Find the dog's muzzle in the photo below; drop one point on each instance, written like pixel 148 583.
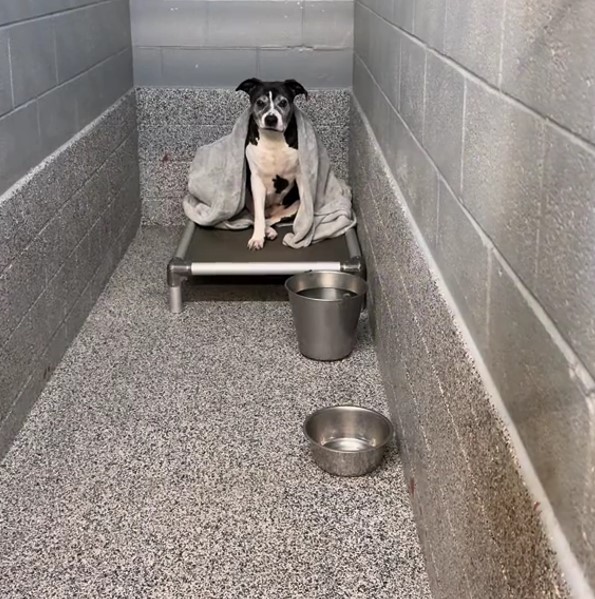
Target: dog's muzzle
pixel 270 120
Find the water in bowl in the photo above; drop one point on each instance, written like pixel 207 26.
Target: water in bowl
pixel 348 444
pixel 327 293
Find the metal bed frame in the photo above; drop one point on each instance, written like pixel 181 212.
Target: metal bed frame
pixel 216 252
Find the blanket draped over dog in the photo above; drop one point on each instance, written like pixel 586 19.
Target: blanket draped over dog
pixel 217 187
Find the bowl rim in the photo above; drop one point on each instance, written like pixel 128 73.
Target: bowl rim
pixel 385 441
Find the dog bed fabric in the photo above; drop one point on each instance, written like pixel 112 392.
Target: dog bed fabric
pixel 217 187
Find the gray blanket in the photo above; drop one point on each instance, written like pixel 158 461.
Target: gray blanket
pixel 217 187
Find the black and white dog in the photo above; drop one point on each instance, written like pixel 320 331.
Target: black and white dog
pixel 272 155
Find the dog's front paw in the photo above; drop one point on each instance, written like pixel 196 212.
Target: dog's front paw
pixel 256 243
pixel 271 233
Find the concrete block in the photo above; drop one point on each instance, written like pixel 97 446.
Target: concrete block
pixel 463 261
pixel 110 28
pixel 12 11
pixel 102 85
pixel 88 36
pixel 26 210
pixel 380 118
pixel 383 8
pixel 90 202
pixel 361 33
pixel 254 24
pixel 312 68
pixel 90 97
pixel 122 163
pixel 411 88
pixel 18 356
pixel 417 178
pixel 32 60
pixel 18 412
pixel 336 142
pixel 5 81
pixel 384 57
pixel 173 23
pixel 123 206
pixel 116 77
pixel 403 13
pixel 363 85
pixel 546 403
pixel 443 121
pixel 74 55
pixel 55 243
pixel 328 24
pixel 175 143
pixel 57 116
pixel 161 108
pixel 203 67
pixel 566 256
pixel 12 239
pixel 65 287
pixel 502 174
pixel 19 144
pixel 35 329
pixel 548 60
pixel 167 179
pixel 148 67
pixel 472 35
pixel 429 22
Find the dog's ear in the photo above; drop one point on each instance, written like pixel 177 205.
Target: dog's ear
pixel 296 88
pixel 248 85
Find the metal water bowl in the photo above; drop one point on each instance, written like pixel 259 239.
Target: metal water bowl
pixel 348 440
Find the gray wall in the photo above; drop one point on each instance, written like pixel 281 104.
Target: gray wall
pixel 66 223
pixel 486 118
pixel 62 63
pixel 218 43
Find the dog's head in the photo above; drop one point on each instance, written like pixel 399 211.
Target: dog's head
pixel 272 101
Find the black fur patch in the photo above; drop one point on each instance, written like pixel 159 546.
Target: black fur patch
pixel 292 196
pixel 291 133
pixel 253 133
pixel 280 183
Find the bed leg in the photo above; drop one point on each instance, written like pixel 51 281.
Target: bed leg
pixel 177 272
pixel 176 305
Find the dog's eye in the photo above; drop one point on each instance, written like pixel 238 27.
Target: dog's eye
pixel 282 103
pixel 260 103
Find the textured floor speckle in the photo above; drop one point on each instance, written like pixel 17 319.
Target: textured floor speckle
pixel 165 459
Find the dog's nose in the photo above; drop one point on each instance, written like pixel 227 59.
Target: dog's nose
pixel 270 120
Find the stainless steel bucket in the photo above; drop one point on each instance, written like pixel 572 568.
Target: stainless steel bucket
pixel 326 307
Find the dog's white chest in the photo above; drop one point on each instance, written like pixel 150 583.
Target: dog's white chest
pixel 272 159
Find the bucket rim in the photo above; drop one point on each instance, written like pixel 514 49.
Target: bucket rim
pixel 354 297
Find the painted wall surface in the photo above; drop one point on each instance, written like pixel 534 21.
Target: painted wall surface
pixel 218 43
pixel 485 113
pixel 69 181
pixel 62 63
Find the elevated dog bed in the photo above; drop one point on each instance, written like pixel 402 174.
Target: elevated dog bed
pixel 204 252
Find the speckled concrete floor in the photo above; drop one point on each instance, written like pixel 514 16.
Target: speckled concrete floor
pixel 165 459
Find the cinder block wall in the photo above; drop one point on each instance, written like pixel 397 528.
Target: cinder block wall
pixel 485 114
pixel 62 63
pixel 218 43
pixel 64 67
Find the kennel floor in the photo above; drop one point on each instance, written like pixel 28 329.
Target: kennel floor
pixel 165 459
